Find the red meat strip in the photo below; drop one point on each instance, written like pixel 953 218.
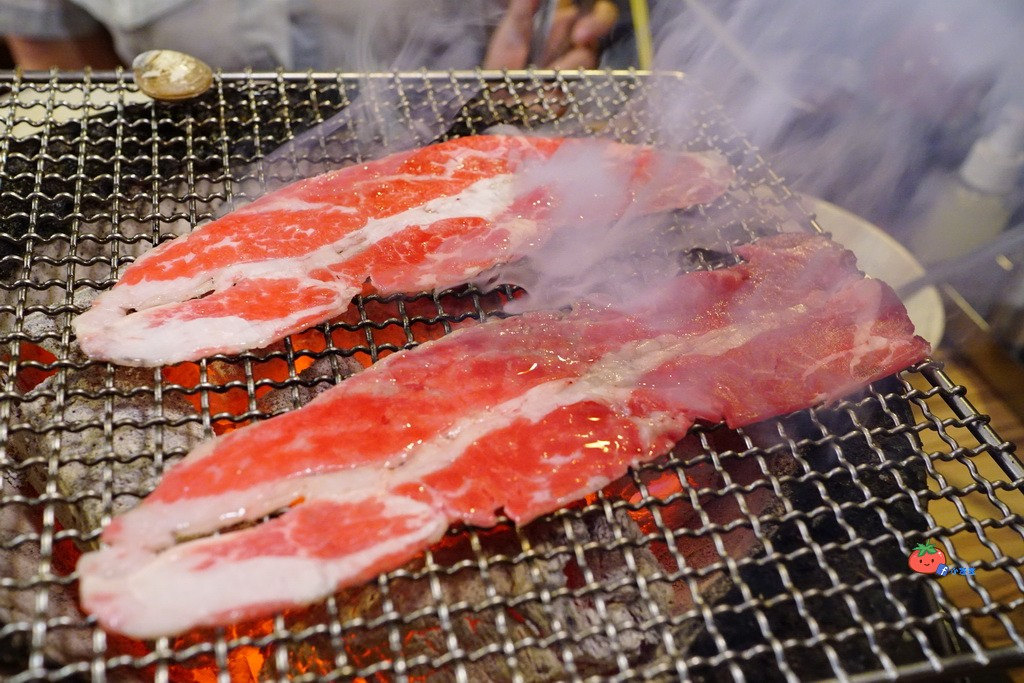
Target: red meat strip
pixel 428 218
pixel 523 415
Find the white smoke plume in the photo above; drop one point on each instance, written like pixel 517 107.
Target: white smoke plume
pixel 863 104
pixel 853 102
pixel 871 105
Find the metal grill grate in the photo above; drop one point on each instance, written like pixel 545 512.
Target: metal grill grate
pixel 778 551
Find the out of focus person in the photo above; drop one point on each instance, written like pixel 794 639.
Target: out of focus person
pixel 574 37
pixel 853 102
pixel 356 35
pixel 45 33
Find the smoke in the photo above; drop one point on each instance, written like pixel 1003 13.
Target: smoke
pixel 1010 241
pixel 604 241
pixel 863 104
pixel 853 102
pixel 387 114
pixel 871 105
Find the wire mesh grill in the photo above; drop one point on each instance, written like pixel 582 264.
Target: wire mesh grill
pixel 778 551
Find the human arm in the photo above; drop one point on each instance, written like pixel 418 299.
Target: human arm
pixel 573 41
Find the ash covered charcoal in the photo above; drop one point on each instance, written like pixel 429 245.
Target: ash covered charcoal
pixel 36 343
pixel 101 253
pixel 624 606
pixel 46 330
pixel 538 598
pixel 874 505
pixel 102 474
pixel 323 374
pixel 20 527
pixel 706 554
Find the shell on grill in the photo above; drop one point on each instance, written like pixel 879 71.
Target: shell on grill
pixel 171 75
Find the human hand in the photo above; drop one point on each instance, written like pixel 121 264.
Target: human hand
pixel 573 41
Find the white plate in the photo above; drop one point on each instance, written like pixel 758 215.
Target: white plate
pixel 881 256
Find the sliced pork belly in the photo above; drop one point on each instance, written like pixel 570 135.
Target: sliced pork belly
pixel 428 218
pixel 522 415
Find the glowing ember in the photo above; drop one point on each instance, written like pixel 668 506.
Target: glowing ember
pixel 377 330
pixel 28 377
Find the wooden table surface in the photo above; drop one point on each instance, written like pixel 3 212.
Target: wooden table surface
pixel 961 472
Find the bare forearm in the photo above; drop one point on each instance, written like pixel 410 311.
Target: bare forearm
pixel 573 41
pixel 68 53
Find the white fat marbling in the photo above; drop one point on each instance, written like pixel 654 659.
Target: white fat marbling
pixel 109 331
pixel 168 594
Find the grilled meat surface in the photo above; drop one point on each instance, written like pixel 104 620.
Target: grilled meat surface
pixel 522 415
pixel 429 218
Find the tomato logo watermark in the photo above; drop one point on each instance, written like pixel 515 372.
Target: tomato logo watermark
pixel 925 558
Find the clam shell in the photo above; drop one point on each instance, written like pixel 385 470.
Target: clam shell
pixel 171 75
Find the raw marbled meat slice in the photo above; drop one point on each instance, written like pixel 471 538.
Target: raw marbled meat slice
pixel 428 218
pixel 522 415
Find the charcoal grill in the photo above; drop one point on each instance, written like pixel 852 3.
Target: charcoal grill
pixel 825 505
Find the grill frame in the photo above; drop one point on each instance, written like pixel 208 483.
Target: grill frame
pixel 497 95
